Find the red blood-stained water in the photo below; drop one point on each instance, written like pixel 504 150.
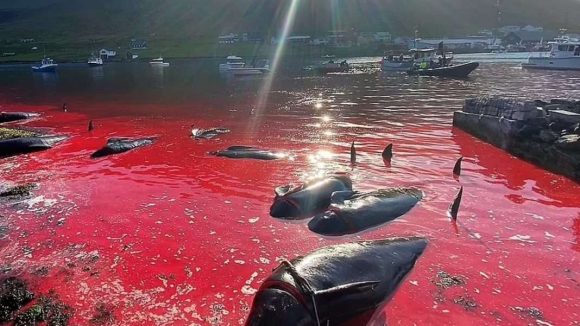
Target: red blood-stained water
pixel 168 235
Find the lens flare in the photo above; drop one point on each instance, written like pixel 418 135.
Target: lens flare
pixel 264 91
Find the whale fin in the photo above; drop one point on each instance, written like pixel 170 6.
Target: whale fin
pixel 91 125
pixel 388 152
pixel 454 208
pixel 352 154
pixel 457 168
pixel 347 289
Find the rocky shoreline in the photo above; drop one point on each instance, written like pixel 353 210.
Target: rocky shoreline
pixel 544 133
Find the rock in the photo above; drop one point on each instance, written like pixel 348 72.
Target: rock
pixel 14 294
pixel 541 103
pixel 569 142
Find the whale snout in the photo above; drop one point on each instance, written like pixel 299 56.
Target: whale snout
pixel 277 307
pixel 285 208
pixel 328 224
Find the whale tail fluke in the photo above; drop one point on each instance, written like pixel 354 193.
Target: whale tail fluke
pixel 454 208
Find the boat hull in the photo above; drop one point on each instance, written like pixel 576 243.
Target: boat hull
pixel 396 66
pixel 457 71
pixel 547 63
pixel 44 68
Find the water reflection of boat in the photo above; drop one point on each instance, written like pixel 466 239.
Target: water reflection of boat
pixel 159 62
pixel 564 55
pixel 46 65
pixel 331 66
pixel 453 71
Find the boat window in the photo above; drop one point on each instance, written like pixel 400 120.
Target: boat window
pixel 562 48
pixel 577 51
pixel 571 48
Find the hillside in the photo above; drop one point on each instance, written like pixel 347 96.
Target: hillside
pixel 82 19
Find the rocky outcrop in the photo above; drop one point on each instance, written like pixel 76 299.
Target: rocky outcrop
pixel 547 134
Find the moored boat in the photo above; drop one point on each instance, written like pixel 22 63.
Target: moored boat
pixel 564 55
pixel 232 62
pixel 332 67
pixel 46 65
pixel 452 71
pixel 95 61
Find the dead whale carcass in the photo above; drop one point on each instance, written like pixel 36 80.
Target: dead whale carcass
pixel 306 200
pixel 16 116
pixel 351 212
pixel 121 145
pixel 335 285
pixel 248 152
pixel 208 133
pixel 24 145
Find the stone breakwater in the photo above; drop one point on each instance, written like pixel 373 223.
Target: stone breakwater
pixel 544 133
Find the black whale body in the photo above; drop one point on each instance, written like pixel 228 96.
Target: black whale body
pixel 248 152
pixel 352 212
pixel 121 145
pixel 24 145
pixel 16 116
pixel 335 285
pixel 309 199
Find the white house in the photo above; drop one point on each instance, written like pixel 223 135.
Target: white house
pixel 107 54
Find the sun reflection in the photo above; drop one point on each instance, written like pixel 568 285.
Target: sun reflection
pixel 325 118
pixel 264 91
pixel 318 105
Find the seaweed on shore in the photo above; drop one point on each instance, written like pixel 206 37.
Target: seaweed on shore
pixel 9 133
pixel 14 294
pixel 48 309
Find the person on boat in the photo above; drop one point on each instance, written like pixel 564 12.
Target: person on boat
pixel 401 57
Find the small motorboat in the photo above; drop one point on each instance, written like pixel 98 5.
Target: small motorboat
pixel 394 63
pixel 47 65
pixel 159 62
pixel 95 61
pixel 236 66
pixel 452 71
pixel 564 55
pixel 332 67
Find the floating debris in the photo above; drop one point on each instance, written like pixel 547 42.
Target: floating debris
pixel 445 280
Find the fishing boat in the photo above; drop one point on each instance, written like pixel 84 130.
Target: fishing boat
pixel 159 62
pixel 332 67
pixel 46 65
pixel 95 61
pixel 232 62
pixel 452 71
pixel 564 55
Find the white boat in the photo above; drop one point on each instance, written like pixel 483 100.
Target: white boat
pixel 95 61
pixel 397 63
pixel 232 62
pixel 159 62
pixel 564 55
pixel 47 65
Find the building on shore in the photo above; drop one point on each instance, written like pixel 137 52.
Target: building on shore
pixel 107 54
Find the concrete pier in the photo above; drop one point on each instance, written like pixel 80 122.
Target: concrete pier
pixel 544 133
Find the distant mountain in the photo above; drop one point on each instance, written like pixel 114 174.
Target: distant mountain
pixel 179 19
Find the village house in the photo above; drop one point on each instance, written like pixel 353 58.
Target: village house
pixel 107 54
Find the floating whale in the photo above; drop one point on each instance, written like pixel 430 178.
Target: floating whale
pixel 23 145
pixel 249 152
pixel 15 116
pixel 337 285
pixel 208 133
pixel 301 202
pixel 351 212
pixel 121 145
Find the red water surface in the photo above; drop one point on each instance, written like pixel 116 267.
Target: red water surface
pixel 168 235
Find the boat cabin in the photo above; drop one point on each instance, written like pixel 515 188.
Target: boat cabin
pixel 423 55
pixel 235 62
pixel 564 48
